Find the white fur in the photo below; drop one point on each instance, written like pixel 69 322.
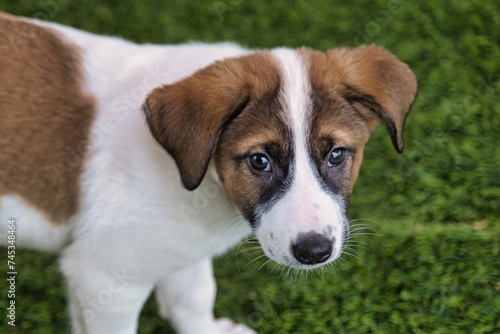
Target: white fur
pixel 305 207
pixel 32 228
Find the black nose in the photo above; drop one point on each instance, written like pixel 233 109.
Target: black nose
pixel 312 248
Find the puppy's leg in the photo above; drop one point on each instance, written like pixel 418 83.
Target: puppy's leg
pixel 103 301
pixel 186 298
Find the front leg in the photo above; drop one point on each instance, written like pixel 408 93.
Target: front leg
pixel 103 300
pixel 186 298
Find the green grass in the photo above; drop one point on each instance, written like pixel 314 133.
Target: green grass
pixel 436 269
pixel 409 279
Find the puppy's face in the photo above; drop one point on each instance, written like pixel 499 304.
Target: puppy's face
pixel 286 130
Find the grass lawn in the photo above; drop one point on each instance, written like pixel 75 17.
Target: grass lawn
pixel 408 278
pixel 432 263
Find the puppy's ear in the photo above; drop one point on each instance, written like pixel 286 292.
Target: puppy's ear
pixel 378 81
pixel 187 117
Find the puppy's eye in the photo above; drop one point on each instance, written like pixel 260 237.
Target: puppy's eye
pixel 260 162
pixel 336 157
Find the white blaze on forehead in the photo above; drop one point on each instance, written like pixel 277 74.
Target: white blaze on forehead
pixel 306 206
pixel 297 110
pixel 296 103
pixel 295 99
pixel 305 191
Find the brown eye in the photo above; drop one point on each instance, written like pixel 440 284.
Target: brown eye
pixel 336 157
pixel 260 162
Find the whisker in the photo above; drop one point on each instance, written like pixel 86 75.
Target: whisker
pixel 351 255
pixel 367 220
pixel 356 243
pixel 333 268
pixel 264 264
pixel 362 227
pixel 254 250
pixel 256 259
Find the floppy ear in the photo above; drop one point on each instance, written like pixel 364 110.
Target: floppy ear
pixel 381 83
pixel 187 117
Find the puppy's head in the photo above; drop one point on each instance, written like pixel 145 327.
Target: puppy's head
pixel 286 130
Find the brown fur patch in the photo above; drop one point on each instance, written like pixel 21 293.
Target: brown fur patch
pixel 260 128
pixel 188 117
pixel 350 91
pixel 46 118
pixel 334 125
pixel 374 82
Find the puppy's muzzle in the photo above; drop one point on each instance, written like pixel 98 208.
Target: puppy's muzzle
pixel 312 248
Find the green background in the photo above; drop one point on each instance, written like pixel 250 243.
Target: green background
pixel 426 259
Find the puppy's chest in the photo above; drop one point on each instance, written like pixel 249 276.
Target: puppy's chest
pixel 174 247
pixel 188 227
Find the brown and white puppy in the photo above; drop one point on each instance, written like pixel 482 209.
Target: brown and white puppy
pixel 273 136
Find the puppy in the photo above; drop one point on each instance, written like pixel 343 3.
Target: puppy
pixel 139 163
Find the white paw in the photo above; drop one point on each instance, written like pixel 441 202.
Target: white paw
pixel 227 326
